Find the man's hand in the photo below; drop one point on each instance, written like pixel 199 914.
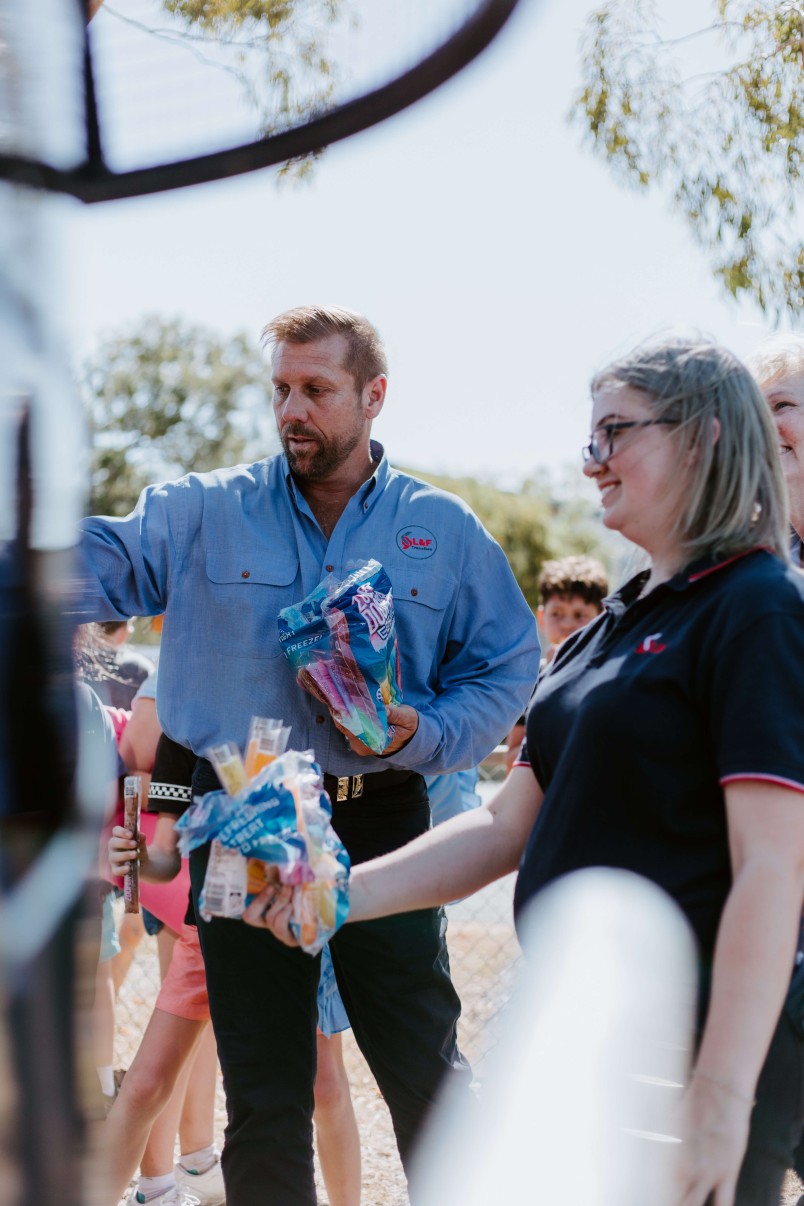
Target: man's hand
pixel 271 910
pixel 124 851
pixel 403 721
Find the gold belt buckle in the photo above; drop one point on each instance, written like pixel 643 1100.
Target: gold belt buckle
pixel 349 788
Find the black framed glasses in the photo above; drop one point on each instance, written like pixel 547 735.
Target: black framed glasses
pixel 601 443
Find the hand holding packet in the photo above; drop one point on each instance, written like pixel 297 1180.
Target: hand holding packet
pixel 341 642
pixel 275 829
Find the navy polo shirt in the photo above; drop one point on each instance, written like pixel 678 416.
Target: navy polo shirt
pixel 647 712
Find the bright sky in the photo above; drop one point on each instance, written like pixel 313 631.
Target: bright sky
pixel 499 260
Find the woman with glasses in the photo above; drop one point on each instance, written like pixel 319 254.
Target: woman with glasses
pixel 667 739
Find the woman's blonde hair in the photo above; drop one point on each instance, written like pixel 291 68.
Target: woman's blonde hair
pixel 776 358
pixel 735 495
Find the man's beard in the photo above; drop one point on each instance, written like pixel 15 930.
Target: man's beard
pixel 318 463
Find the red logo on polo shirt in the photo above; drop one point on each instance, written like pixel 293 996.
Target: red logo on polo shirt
pixel 651 644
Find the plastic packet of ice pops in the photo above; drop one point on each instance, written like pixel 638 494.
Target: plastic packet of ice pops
pixel 202 820
pixel 277 829
pixel 341 642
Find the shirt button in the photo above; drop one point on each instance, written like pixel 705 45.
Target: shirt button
pixel 246 574
pixel 413 591
pixel 319 719
pixel 365 506
pixel 329 568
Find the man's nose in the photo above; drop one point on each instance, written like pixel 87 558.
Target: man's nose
pixel 294 407
pixel 591 467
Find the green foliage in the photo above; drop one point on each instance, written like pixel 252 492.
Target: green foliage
pixel 277 50
pixel 531 526
pixel 728 144
pixel 165 398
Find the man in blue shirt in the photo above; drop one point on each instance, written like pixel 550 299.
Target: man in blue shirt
pixel 220 554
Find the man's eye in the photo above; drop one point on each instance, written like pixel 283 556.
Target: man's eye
pixel 778 407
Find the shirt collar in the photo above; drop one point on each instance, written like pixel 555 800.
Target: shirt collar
pixel 702 568
pixel 373 488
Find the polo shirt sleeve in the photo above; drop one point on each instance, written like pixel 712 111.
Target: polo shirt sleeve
pixel 171 778
pixel 523 757
pixel 756 702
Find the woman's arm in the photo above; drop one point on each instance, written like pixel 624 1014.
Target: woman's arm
pixel 753 962
pixel 159 862
pixel 453 860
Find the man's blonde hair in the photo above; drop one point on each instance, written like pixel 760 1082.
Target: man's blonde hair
pixel 735 497
pixel 365 355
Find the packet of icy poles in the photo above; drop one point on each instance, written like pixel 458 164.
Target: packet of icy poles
pixel 132 800
pixel 277 830
pixel 341 642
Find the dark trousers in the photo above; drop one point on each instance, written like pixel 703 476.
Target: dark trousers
pixel 393 975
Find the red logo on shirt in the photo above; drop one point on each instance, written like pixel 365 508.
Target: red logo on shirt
pixel 651 644
pixel 417 543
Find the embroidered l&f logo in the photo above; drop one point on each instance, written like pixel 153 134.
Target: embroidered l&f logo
pixel 651 644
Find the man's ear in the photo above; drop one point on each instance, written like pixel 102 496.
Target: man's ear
pixel 715 430
pixel 374 395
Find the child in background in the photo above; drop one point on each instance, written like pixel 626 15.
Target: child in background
pixel 571 593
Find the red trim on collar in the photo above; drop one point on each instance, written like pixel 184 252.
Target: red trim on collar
pixel 710 569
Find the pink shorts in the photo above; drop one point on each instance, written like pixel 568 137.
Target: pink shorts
pixel 184 989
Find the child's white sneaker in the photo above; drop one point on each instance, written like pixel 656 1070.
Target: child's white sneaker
pixel 206 1187
pixel 175 1196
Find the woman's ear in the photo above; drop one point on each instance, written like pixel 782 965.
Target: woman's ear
pixel 691 456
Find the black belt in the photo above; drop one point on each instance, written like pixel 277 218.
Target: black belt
pixel 340 788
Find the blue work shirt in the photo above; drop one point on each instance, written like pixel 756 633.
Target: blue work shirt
pixel 221 553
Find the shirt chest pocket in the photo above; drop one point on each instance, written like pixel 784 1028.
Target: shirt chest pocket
pixel 422 603
pixel 246 590
pixel 421 589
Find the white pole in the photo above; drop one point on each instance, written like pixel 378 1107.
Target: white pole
pixel 582 1099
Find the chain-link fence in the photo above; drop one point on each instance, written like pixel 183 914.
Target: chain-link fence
pixel 483 955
